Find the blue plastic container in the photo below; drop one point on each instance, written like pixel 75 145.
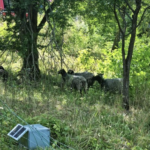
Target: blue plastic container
pixel 36 136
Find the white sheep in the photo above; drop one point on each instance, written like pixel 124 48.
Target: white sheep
pixel 111 85
pixel 76 82
pixel 87 75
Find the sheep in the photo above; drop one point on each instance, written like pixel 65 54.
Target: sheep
pixel 3 73
pixel 111 85
pixel 87 75
pixel 76 82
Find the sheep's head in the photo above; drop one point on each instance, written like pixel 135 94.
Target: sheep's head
pixel 1 67
pixel 3 73
pixel 62 72
pixel 99 78
pixel 100 75
pixel 2 70
pixel 70 72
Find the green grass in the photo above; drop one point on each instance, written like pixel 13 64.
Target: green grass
pixel 93 121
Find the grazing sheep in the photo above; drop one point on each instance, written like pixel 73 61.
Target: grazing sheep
pixel 111 85
pixel 76 82
pixel 87 75
pixel 3 73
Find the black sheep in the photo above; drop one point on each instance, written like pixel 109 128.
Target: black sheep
pixel 3 74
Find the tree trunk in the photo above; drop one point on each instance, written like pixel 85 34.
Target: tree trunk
pixel 30 60
pixel 126 70
pixel 31 56
pixel 127 61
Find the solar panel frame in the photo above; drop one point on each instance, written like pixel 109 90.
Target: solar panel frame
pixel 17 132
pixel 18 127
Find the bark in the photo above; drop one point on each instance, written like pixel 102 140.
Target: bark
pixel 31 56
pixel 127 60
pixel 126 71
pixel 30 60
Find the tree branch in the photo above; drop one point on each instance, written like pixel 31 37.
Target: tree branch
pixel 129 16
pixel 129 6
pixel 42 23
pixel 148 7
pixel 117 18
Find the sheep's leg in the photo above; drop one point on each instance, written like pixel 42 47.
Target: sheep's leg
pixel 81 92
pixel 85 86
pixel 85 90
pixel 79 87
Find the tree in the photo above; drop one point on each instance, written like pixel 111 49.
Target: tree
pixel 26 29
pixel 129 15
pixel 129 12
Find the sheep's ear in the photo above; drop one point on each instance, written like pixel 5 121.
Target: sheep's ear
pixel 100 74
pixel 1 67
pixel 59 72
pixel 70 71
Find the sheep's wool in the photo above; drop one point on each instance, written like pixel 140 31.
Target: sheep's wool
pixel 1 70
pixel 77 82
pixel 86 75
pixel 114 85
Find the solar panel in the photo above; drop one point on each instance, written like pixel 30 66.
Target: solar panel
pixel 17 132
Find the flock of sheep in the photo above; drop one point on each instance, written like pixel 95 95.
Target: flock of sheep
pixel 82 81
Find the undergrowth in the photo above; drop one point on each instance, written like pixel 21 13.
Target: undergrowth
pixel 93 121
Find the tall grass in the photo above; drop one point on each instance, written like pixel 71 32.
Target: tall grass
pixel 94 121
